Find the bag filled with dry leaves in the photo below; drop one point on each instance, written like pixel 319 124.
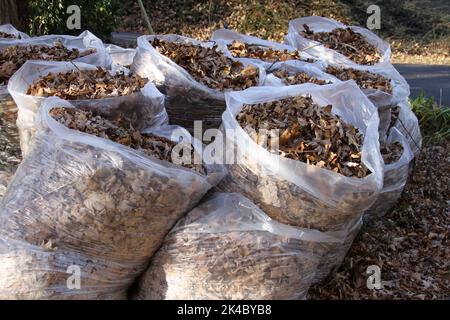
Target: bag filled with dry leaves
pixel 397 156
pixel 121 56
pixel 15 52
pixel 326 167
pixel 98 194
pixel 383 85
pixel 109 92
pixel 8 31
pixel 404 119
pixel 333 42
pixel 10 154
pixel 228 248
pixel 85 48
pixel 297 72
pixel 193 75
pixel 255 50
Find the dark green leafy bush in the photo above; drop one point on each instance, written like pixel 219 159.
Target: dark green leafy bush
pixel 50 16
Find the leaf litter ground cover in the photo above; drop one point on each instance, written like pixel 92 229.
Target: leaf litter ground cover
pixel 121 132
pixel 364 79
pixel 86 84
pixel 347 42
pixel 13 57
pixel 308 133
pixel 209 66
pixel 410 244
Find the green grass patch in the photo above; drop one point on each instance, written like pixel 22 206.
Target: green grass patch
pixel 434 120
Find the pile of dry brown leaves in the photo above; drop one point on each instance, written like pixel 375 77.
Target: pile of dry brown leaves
pixel 243 50
pixel 5 35
pixel 391 152
pixel 309 133
pixel 209 66
pixel 410 244
pixel 364 79
pixel 297 78
pixel 347 42
pixel 86 84
pixel 12 58
pixel 119 131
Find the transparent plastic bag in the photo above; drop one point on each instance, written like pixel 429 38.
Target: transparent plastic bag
pixel 121 56
pixel 395 176
pixel 8 28
pixel 408 124
pixel 88 199
pixel 293 67
pixel 10 155
pixel 227 248
pixel 294 192
pixel 35 272
pixel 384 101
pixel 224 37
pixel 400 88
pixel 85 40
pixel 333 254
pixel 5 178
pixel 145 108
pixel 186 99
pixel 321 24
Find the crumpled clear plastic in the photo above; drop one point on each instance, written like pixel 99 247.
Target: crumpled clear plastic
pixel 293 67
pixel 294 192
pixel 186 99
pixel 395 177
pixel 8 28
pixel 321 24
pixel 145 108
pixel 10 154
pixel 298 194
pixel 223 37
pixel 121 56
pixel 382 100
pixel 80 201
pixel 228 248
pixel 86 40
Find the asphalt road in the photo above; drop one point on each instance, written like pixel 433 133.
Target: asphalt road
pixel 433 80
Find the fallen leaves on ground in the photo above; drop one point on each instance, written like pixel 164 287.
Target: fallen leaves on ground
pixel 410 244
pixel 347 42
pixel 308 133
pixel 209 66
pixel 86 84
